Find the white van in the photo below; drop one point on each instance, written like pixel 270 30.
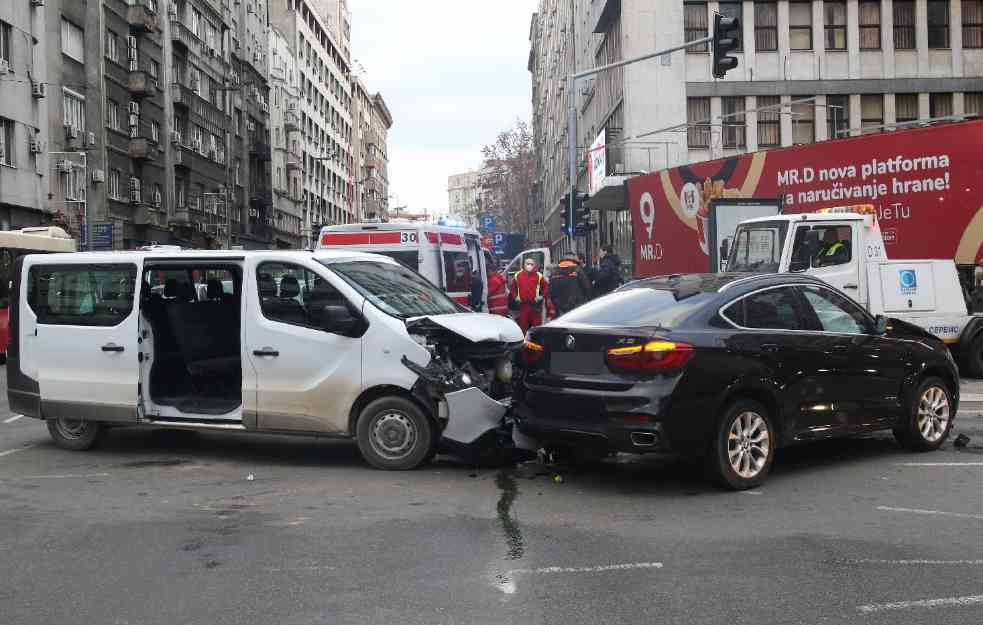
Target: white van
pixel 329 342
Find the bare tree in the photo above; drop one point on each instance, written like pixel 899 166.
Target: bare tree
pixel 507 177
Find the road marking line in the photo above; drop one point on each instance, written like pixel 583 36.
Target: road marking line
pixel 940 464
pixel 960 515
pixel 14 418
pixel 14 451
pixel 924 603
pixel 970 397
pixel 62 476
pixel 506 581
pixel 922 562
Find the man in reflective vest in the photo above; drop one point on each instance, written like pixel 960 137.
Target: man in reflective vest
pixel 529 289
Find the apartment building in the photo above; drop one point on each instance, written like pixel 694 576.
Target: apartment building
pixel 372 123
pixel 462 196
pixel 287 139
pixel 23 116
pixel 809 70
pixel 325 111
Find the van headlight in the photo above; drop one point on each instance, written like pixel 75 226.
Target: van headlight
pixel 503 369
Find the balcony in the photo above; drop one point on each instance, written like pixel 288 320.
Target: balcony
pixel 181 216
pixel 183 37
pixel 183 157
pixel 142 16
pixel 142 149
pixel 294 161
pixel 261 150
pixel 147 215
pixel 261 201
pixel 291 121
pixel 141 85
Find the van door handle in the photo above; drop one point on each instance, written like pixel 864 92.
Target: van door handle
pixel 770 347
pixel 266 351
pixel 851 286
pixel 112 347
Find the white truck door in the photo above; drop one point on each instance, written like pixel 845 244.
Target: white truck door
pixel 838 259
pixel 84 319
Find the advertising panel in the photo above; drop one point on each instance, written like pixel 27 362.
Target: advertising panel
pixel 597 163
pixel 925 184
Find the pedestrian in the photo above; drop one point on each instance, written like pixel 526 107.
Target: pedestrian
pixel 476 299
pixel 529 289
pixel 608 272
pixel 588 269
pixel 569 285
pixel 498 297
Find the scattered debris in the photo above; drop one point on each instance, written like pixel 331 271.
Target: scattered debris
pixel 961 441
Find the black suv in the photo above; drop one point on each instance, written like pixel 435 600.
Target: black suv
pixel 731 367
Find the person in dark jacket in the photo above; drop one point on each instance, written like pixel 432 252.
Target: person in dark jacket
pixel 569 285
pixel 608 272
pixel 476 301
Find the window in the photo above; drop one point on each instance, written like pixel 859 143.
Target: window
pixel 769 122
pixel 72 41
pixel 800 25
pixel 835 313
pixel 729 8
pixel 392 288
pixel 7 142
pixel 733 121
pixel 114 190
pixel 155 131
pixel 872 113
pixel 765 26
pixel 759 248
pixel 906 107
pixel 74 184
pixel 112 46
pixel 158 196
pixel 73 106
pixel 112 114
pixel 837 115
pixel 835 248
pixel 938 24
pixel 940 105
pixel 698 118
pixel 870 25
pixel 5 33
pixel 774 309
pixel 82 295
pixel 973 23
pixel 291 294
pixel 834 14
pixel 803 121
pixel 904 24
pixel 238 170
pixel 181 199
pixel 973 104
pixel 153 68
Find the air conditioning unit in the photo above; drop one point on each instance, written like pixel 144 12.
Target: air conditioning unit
pixel 195 85
pixel 71 132
pixel 37 146
pixel 64 166
pixel 98 175
pixel 175 137
pixel 133 108
pixel 250 126
pixel 172 9
pixel 212 52
pixel 249 8
pixel 91 140
pixel 158 201
pixel 292 107
pixel 39 89
pixel 37 3
pixel 4 66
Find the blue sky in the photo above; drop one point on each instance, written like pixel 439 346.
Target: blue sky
pixel 453 74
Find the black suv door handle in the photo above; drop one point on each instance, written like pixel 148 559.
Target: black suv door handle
pixel 770 347
pixel 265 352
pixel 112 347
pixel 840 348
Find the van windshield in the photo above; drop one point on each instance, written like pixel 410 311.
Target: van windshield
pixel 394 289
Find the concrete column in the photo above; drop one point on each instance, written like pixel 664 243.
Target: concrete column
pixel 956 37
pixel 786 123
pixel 887 37
pixel 819 38
pixel 716 132
pixel 822 129
pixel 855 114
pixel 783 40
pixel 890 109
pixel 751 123
pixel 747 12
pixel 958 104
pixel 924 109
pixel 853 37
pixel 921 35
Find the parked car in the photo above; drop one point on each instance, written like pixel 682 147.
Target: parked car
pixel 330 343
pixel 731 367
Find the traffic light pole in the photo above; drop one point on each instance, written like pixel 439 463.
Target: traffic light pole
pixel 572 121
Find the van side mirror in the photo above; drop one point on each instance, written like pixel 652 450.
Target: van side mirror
pixel 880 325
pixel 337 319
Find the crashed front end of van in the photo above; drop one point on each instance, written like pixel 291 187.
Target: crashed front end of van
pixel 469 380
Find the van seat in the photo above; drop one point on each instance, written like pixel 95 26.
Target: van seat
pixel 207 337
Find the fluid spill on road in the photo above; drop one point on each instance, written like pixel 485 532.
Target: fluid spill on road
pixel 514 542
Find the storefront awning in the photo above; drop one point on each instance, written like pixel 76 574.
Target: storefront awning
pixel 612 196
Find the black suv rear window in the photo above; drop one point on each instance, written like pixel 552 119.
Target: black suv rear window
pixel 638 307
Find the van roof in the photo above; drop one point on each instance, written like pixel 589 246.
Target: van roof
pixel 211 255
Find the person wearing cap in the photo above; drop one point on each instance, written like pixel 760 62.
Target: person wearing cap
pixel 569 284
pixel 528 291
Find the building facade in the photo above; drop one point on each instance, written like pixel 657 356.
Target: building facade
pixel 808 71
pixel 374 144
pixel 287 140
pixel 462 196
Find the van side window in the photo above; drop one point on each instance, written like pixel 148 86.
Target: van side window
pixel 835 247
pixel 291 294
pixel 82 295
pixel 457 272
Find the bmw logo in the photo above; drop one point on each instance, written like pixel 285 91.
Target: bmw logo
pixel 570 342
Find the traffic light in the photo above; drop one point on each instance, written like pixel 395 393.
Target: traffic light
pixel 581 215
pixel 565 205
pixel 726 37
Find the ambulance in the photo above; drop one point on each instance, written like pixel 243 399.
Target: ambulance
pixel 444 255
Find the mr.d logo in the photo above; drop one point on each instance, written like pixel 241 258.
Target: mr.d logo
pixel 909 281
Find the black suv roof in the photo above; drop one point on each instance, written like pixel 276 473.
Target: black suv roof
pixel 685 284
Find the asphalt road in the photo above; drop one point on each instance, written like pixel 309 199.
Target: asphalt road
pixel 169 528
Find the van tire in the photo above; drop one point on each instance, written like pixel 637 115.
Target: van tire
pixel 74 435
pixel 972 358
pixel 394 434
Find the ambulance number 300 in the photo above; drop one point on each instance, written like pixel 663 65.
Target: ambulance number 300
pixel 407 237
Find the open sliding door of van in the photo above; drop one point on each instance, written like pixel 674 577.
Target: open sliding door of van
pixel 78 336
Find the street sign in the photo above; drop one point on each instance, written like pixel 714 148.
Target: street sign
pixel 102 237
pixel 487 222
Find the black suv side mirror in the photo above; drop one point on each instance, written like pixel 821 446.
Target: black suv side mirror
pixel 880 325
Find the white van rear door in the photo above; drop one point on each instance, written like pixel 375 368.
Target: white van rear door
pixel 84 316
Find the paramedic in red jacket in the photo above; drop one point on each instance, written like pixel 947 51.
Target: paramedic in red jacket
pixel 529 289
pixel 498 297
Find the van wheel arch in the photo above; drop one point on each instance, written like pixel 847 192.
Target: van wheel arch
pixel 376 392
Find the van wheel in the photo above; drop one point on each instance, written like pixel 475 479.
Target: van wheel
pixel 929 419
pixel 972 358
pixel 74 434
pixel 744 446
pixel 394 434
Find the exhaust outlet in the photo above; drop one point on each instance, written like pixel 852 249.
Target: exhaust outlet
pixel 643 439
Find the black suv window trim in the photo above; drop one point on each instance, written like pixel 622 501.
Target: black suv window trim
pixel 795 285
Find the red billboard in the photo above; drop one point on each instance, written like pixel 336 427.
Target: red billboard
pixel 925 184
